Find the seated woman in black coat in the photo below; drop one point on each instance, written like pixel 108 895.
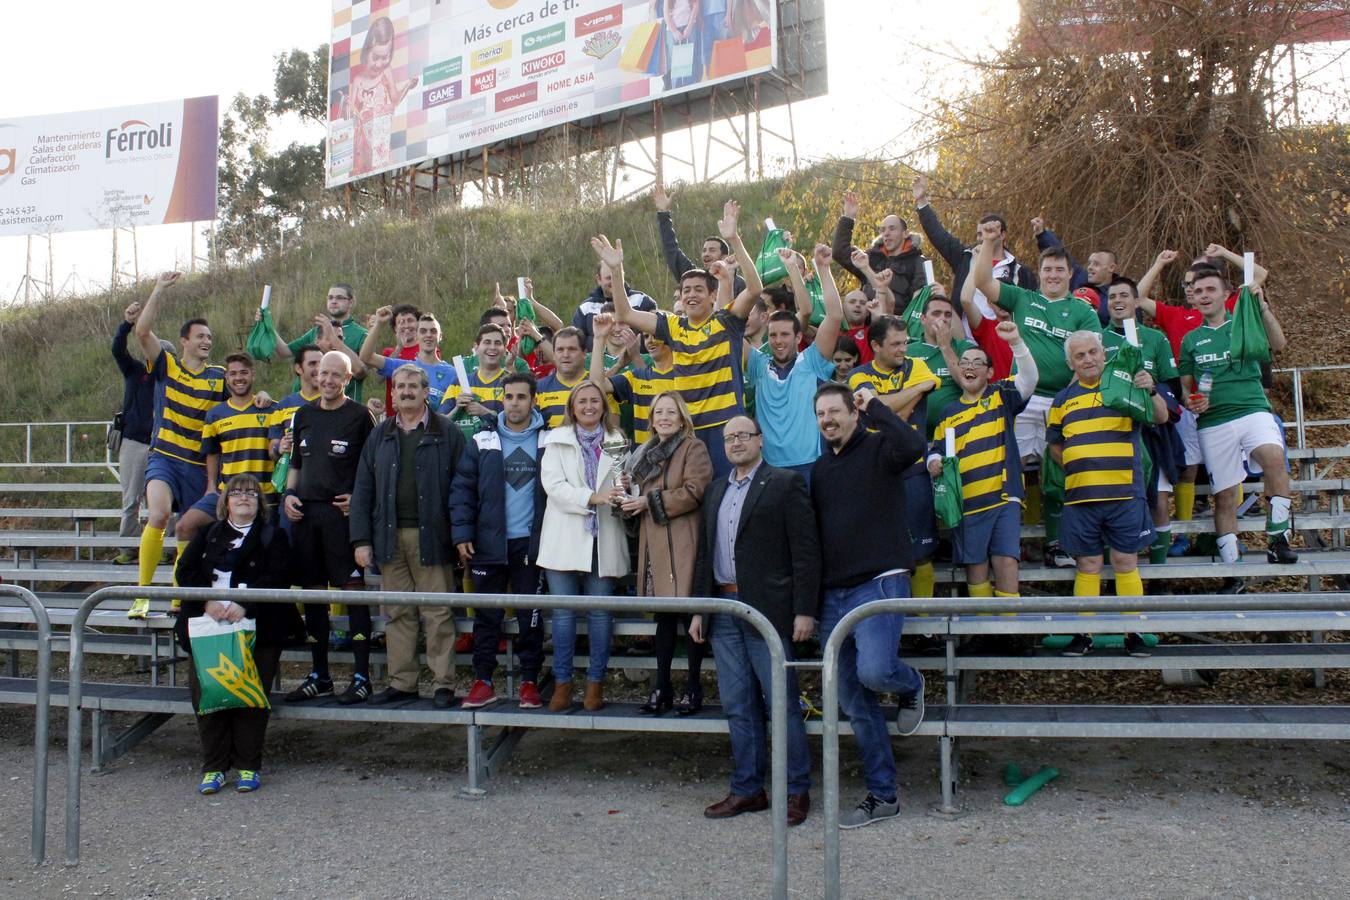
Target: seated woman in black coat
pixel 240 550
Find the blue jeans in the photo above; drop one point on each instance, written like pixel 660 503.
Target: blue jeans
pixel 599 622
pixel 744 676
pixel 868 665
pixel 717 451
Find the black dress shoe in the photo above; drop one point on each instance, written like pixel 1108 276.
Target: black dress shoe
pixel 444 698
pixel 392 695
pixel 659 702
pixel 689 703
pixel 798 808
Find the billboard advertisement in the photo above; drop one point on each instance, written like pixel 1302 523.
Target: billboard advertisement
pixel 410 80
pixel 148 164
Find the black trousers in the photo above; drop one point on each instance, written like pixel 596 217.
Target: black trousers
pixel 666 627
pixel 233 738
pixel 324 558
pixel 518 576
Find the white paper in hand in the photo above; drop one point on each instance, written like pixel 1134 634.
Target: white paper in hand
pixel 461 375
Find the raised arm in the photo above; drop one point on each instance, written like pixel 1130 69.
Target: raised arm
pixel 947 244
pixel 328 337
pixel 1027 374
pixel 676 259
pixel 142 328
pixel 546 315
pixel 1146 301
pixel 126 363
pixel 827 334
pixel 740 307
pixel 841 245
pixel 603 324
pixel 612 256
pixel 974 318
pixel 1274 332
pixel 879 281
pixel 801 296
pixel 1219 251
pixel 982 271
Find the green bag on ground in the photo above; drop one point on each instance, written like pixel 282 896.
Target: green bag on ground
pixel 769 264
pixel 913 314
pixel 947 492
pixel 222 655
pixel 525 310
pixel 262 340
pixel 1249 340
pixel 1118 388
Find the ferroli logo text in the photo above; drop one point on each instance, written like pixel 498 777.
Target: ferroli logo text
pixel 134 135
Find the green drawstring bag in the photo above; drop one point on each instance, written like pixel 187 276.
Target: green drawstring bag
pixel 768 264
pixel 1249 341
pixel 525 310
pixel 913 314
pixel 947 492
pixel 817 292
pixel 1118 388
pixel 222 655
pixel 262 340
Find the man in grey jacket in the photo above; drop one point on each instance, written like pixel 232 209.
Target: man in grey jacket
pixel 399 519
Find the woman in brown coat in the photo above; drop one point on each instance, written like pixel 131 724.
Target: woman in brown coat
pixel 670 471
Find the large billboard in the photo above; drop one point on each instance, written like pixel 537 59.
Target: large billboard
pixel 414 79
pixel 148 164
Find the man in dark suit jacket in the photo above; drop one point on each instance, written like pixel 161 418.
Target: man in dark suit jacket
pixel 759 546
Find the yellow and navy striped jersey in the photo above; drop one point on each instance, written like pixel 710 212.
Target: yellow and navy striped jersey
pixel 551 398
pixel 986 445
pixel 182 398
pixel 1102 450
pixel 911 373
pixel 242 437
pixel 638 388
pixel 284 411
pixel 488 393
pixel 707 364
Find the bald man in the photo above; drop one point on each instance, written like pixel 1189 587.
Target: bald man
pixel 894 248
pixel 328 436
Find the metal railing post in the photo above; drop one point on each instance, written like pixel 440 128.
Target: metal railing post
pixel 41 736
pixel 1030 605
pixel 702 605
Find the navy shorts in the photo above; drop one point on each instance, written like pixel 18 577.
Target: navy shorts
pixel 1122 525
pixel 208 504
pixel 920 519
pixel 186 481
pixel 989 532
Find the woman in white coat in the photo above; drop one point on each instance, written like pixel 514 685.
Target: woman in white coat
pixel 582 548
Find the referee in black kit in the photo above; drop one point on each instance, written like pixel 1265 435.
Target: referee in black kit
pixel 328 435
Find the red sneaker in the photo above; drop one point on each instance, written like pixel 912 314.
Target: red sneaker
pixel 481 694
pixel 529 696
pixel 464 643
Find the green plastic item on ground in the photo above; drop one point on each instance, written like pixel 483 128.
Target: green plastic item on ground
pixel 1012 775
pixel 1023 791
pixel 1060 641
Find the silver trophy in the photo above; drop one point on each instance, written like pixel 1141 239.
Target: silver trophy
pixel 619 450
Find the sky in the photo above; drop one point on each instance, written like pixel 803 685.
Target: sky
pixel 171 49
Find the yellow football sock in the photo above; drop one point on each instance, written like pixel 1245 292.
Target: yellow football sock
pixel 175 604
pixel 983 589
pixel 1031 509
pixel 152 546
pixel 998 593
pixel 921 585
pixel 1129 584
pixel 1184 492
pixel 1085 585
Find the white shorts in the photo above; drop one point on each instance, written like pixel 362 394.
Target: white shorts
pixel 1029 427
pixel 1164 483
pixel 1226 447
pixel 1186 428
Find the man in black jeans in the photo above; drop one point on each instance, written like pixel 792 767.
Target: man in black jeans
pixel 328 436
pixel 136 418
pixel 496 514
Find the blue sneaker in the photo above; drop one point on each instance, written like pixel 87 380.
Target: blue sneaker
pixel 249 780
pixel 211 783
pixel 1181 545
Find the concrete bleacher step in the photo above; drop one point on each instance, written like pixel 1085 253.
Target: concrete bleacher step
pixel 1169 721
pixel 53 538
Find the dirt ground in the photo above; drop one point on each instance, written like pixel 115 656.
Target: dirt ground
pixel 378 811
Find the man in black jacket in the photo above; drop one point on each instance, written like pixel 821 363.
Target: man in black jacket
pixel 958 255
pixel 603 293
pixel 759 546
pixel 864 561
pixel 137 416
pixel 400 520
pixel 712 249
pixel 896 249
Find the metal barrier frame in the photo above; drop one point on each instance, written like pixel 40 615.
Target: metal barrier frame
pixel 42 712
pixel 1026 605
pixel 108 462
pixel 709 605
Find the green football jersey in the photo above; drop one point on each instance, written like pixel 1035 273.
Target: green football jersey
pixel 1045 324
pixel 1153 345
pixel 1237 390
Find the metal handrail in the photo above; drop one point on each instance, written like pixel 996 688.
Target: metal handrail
pixel 107 462
pixel 43 715
pixel 704 605
pixel 1033 605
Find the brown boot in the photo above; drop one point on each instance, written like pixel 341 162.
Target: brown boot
pixel 562 697
pixel 595 696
